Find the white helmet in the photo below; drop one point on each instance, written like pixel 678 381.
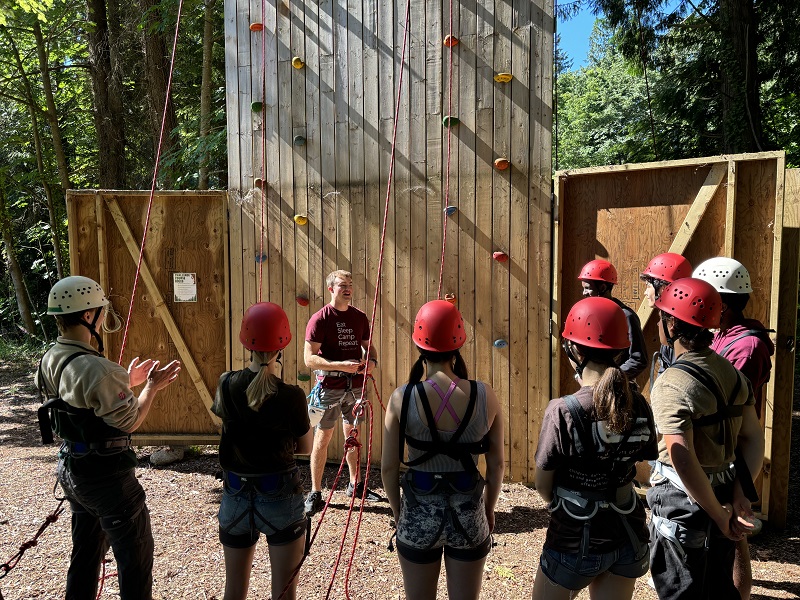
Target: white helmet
pixel 75 294
pixel 727 275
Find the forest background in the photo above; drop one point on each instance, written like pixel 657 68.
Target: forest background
pixel 83 86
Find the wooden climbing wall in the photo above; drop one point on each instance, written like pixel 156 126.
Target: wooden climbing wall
pixel 701 208
pixel 311 104
pixel 180 308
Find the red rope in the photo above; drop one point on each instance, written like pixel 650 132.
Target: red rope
pixel 449 149
pixel 12 562
pixel 261 257
pixel 103 577
pixel 155 179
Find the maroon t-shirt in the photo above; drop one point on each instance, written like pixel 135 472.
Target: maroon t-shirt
pixel 340 333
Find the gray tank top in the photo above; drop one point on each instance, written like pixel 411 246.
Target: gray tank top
pixel 416 428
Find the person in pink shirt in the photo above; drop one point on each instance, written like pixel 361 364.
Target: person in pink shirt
pixel 747 346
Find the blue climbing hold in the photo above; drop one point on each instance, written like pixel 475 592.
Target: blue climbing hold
pixel 450 210
pixel 500 343
pixel 261 258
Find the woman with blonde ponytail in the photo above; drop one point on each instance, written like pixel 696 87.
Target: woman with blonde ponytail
pixel 264 423
pixel 586 462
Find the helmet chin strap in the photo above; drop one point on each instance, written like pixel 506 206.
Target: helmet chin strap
pixel 580 365
pixel 670 338
pixel 93 330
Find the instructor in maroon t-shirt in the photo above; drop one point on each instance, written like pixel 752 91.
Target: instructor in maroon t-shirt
pixel 337 337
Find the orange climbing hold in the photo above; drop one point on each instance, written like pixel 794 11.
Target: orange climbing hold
pixel 450 41
pixel 256 26
pixel 501 164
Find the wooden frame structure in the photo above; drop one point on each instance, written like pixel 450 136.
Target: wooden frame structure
pixel 187 234
pixel 726 205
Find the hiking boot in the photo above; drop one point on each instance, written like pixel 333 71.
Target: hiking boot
pixel 314 503
pixel 359 492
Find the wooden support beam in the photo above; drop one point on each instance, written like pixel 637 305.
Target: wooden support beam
pixel 730 213
pixel 690 222
pixel 102 251
pixel 161 309
pixel 782 318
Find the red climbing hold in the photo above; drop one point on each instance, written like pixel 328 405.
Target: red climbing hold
pixel 302 300
pixel 500 256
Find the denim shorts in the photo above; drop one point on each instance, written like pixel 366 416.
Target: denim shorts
pixel 243 514
pixel 572 572
pixel 337 403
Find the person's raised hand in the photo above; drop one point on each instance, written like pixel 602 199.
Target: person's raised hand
pixel 137 371
pixel 160 378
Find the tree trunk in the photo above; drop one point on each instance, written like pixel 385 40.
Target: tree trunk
pixel 157 74
pixel 37 144
pixel 742 129
pixel 108 113
pixel 52 115
pixel 205 91
pixel 20 289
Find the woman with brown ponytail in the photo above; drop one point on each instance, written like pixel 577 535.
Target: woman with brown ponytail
pixel 588 449
pixel 264 424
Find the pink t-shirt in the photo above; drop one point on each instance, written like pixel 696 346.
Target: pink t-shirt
pixel 340 333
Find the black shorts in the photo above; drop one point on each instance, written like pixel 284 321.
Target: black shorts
pixel 424 557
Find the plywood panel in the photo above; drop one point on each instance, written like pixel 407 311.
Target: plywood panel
pixel 186 234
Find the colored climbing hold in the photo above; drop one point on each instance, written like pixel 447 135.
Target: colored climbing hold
pixel 256 26
pixel 450 41
pixel 256 106
pixel 500 256
pixel 450 210
pixel 303 377
pixel 300 219
pixel 450 121
pixel 302 300
pixel 258 182
pixel 500 343
pixel 503 77
pixel 298 63
pixel 501 164
pixel 451 298
pixel 299 140
pixel 260 258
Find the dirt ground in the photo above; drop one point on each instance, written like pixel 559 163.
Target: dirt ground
pixel 183 499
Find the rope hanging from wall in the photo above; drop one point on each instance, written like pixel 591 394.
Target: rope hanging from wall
pixel 155 179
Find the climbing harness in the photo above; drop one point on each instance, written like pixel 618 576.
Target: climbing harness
pixel 460 451
pixel 583 505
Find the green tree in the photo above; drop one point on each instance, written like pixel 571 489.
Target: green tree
pixel 602 109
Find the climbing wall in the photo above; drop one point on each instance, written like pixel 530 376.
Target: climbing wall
pixel 324 99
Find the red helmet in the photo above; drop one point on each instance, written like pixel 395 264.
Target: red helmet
pixel 599 270
pixel 439 327
pixel 668 267
pixel 265 328
pixel 597 323
pixel 693 301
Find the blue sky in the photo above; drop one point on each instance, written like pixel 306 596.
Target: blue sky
pixel 575 37
pixel 575 34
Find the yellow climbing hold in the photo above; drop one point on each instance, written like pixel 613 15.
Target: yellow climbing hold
pixel 503 77
pixel 298 63
pixel 300 219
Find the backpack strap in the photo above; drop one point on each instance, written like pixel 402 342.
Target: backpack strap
pixel 759 333
pixel 725 409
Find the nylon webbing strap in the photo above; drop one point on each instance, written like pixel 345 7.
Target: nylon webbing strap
pixel 759 333
pixel 579 418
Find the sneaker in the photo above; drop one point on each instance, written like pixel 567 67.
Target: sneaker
pixel 314 503
pixel 359 492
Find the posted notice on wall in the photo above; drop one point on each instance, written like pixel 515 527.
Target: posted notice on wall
pixel 185 286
